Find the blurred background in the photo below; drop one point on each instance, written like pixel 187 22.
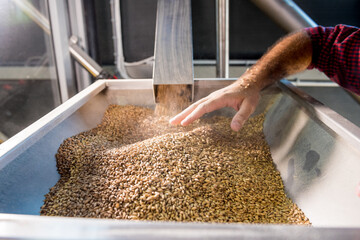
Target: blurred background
pixel 37 72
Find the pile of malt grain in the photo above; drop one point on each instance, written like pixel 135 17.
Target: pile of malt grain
pixel 134 165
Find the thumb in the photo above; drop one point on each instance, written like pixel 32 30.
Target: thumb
pixel 247 107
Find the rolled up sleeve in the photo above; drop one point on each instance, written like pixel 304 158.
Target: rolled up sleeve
pixel 336 52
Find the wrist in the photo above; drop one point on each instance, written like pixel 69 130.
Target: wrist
pixel 249 82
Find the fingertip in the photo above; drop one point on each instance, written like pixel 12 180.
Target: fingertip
pixel 177 119
pixel 182 116
pixel 236 126
pixel 196 114
pixel 172 121
pixel 184 122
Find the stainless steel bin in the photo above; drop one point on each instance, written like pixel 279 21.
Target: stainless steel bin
pixel 316 150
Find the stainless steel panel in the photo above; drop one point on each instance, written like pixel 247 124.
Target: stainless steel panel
pixel 173 43
pixel 317 153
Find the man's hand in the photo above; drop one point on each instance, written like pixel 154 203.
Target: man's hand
pixel 290 55
pixel 240 98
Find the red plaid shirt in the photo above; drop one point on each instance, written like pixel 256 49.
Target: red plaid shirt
pixel 336 52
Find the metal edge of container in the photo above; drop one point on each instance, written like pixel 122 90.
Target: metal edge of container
pixel 130 84
pixel 11 148
pixel 318 111
pixel 17 144
pixel 36 227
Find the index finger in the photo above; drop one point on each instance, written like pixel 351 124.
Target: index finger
pixel 178 118
pixel 202 108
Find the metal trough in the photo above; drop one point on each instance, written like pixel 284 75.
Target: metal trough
pixel 316 150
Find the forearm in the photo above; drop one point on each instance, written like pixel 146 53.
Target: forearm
pixel 290 55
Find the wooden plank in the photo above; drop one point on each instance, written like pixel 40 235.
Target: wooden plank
pixel 173 43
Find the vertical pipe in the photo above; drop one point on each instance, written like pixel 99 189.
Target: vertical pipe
pixel 44 8
pixel 91 30
pixel 60 36
pixel 78 28
pixel 117 38
pixel 222 38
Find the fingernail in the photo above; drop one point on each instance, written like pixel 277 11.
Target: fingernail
pixel 183 122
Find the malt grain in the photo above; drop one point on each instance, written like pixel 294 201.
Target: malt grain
pixel 135 166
